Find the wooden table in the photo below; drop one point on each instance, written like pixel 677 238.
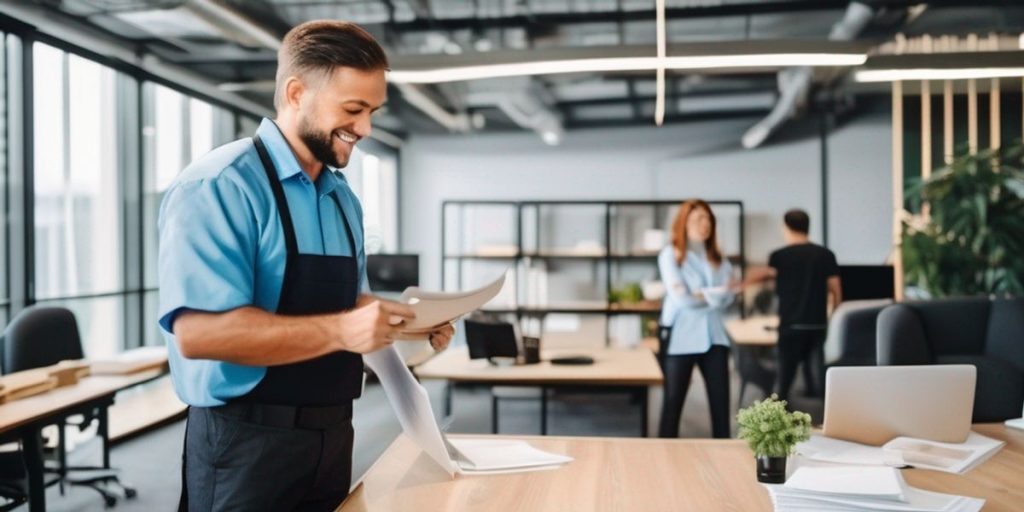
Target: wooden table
pixel 614 370
pixel 23 419
pixel 641 474
pixel 755 330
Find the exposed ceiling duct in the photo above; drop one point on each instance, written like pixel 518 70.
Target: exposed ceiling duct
pixel 795 83
pixel 524 101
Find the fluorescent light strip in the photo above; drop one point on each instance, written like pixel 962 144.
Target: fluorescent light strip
pixel 767 60
pixel 659 95
pixel 893 75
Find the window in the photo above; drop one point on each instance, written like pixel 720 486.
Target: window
pixel 176 130
pixel 374 179
pixel 78 202
pixel 4 145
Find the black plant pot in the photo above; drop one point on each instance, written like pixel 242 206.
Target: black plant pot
pixel 771 470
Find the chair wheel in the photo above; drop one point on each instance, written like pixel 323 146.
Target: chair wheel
pixel 130 493
pixel 110 501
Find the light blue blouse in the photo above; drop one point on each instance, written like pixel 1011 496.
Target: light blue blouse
pixel 696 323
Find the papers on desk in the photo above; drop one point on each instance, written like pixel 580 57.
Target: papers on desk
pixel 434 309
pixel 956 458
pixel 411 403
pixel 825 489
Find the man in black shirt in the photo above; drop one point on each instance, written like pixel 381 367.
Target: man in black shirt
pixel 805 275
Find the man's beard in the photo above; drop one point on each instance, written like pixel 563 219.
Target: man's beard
pixel 320 144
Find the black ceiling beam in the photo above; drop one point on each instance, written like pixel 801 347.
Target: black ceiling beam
pixel 669 119
pixel 632 97
pixel 538 19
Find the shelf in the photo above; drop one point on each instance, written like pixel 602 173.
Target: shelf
pixel 582 309
pixel 482 257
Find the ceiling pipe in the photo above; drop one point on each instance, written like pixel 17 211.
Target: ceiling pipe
pixel 795 83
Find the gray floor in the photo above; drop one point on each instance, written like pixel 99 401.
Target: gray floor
pixel 151 462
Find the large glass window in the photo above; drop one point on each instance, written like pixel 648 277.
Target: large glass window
pixel 373 176
pixel 4 145
pixel 78 202
pixel 176 130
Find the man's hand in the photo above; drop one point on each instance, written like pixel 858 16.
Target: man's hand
pixel 440 338
pixel 370 326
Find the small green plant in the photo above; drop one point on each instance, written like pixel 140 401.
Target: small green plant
pixel 770 430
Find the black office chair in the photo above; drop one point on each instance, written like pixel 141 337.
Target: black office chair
pixel 42 336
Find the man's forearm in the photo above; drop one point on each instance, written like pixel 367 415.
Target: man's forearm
pixel 252 336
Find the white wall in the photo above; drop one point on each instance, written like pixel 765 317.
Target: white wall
pixel 677 161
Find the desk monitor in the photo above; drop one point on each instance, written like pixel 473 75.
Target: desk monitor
pixel 491 339
pixel 392 272
pixel 874 404
pixel 862 282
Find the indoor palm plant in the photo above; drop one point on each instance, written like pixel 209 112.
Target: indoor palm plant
pixel 772 433
pixel 972 240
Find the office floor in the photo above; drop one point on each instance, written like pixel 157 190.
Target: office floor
pixel 151 462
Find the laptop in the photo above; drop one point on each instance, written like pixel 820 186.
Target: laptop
pixel 874 404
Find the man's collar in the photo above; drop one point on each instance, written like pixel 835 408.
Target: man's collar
pixel 285 162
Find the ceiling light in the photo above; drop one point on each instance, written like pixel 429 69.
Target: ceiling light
pixel 743 61
pixel 551 138
pixel 894 75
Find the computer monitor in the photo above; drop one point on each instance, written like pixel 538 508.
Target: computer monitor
pixel 392 272
pixel 862 282
pixel 491 339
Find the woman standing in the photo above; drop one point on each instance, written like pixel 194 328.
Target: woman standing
pixel 697 281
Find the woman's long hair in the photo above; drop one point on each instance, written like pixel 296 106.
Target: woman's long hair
pixel 679 236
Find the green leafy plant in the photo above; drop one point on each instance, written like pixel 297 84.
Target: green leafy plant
pixel 629 294
pixel 770 430
pixel 973 239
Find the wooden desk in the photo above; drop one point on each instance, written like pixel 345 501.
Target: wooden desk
pixel 23 419
pixel 616 370
pixel 755 330
pixel 641 474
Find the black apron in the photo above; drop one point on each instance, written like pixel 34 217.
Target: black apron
pixel 312 284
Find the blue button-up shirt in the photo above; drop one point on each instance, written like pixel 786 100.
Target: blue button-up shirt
pixel 696 323
pixel 222 247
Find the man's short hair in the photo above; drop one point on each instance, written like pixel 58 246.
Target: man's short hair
pixel 797 220
pixel 314 49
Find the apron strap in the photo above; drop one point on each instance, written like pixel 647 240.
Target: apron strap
pixel 282 204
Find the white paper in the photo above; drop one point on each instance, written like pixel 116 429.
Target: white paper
pixel 826 449
pixel 502 454
pixel 411 404
pixel 877 482
pixel 434 309
pixel 916 500
pixel 949 457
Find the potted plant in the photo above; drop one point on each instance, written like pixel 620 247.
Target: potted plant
pixel 971 241
pixel 772 433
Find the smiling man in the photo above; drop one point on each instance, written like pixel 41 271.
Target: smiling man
pixel 263 294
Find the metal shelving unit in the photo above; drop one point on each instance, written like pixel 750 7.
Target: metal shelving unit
pixel 607 256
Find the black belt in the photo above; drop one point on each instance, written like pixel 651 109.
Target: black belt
pixel 289 416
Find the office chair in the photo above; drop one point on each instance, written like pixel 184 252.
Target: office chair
pixel 42 336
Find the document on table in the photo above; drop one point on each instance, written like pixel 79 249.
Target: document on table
pixel 434 309
pixel 860 488
pixel 411 403
pixel 905 451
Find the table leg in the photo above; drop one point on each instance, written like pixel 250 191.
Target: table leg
pixel 448 398
pixel 644 397
pixel 543 410
pixel 32 455
pixel 104 433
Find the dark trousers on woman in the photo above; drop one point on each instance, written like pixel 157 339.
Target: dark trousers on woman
pixel 798 346
pixel 714 367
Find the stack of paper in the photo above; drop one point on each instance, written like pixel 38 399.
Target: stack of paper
pixel 905 451
pixel 856 489
pixel 435 309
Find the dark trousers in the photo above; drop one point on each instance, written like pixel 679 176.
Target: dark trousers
pixel 714 367
pixel 235 464
pixel 796 347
